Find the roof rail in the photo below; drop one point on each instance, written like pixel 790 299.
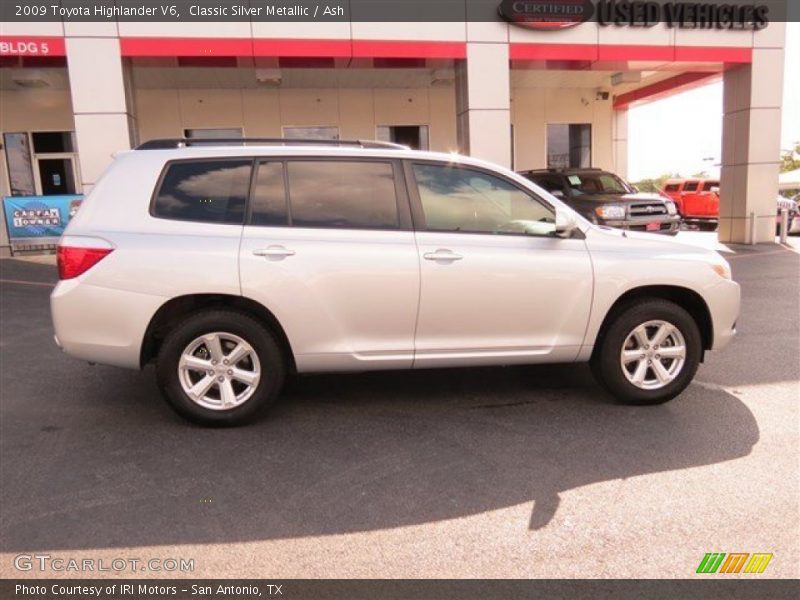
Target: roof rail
pixel 169 143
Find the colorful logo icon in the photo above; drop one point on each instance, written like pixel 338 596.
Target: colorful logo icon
pixel 737 562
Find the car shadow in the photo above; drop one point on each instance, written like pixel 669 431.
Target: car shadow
pixel 99 460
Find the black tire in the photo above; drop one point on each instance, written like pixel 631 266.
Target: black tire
pixel 273 366
pixel 606 365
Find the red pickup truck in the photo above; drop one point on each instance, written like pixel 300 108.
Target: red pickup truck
pixel 697 200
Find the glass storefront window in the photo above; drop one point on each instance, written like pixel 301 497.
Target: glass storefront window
pixel 569 146
pixel 20 165
pixel 52 142
pixel 413 136
pixel 311 133
pixel 213 133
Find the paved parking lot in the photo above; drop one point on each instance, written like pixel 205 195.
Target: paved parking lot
pixel 510 472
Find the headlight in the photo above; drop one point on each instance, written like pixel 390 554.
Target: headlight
pixel 671 208
pixel 612 211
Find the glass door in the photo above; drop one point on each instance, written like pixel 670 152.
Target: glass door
pixel 55 163
pixel 55 174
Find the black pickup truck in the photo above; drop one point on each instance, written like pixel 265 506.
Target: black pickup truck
pixel 606 199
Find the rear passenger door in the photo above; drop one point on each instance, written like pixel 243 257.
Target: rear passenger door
pixel 328 248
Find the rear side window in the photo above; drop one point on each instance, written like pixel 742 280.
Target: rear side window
pixel 342 194
pixel 691 186
pixel 211 191
pixel 550 183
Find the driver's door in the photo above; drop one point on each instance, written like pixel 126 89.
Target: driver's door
pixel 497 286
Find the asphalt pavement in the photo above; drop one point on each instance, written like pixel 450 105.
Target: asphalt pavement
pixel 504 472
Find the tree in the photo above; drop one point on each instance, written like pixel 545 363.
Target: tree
pixel 653 186
pixel 790 159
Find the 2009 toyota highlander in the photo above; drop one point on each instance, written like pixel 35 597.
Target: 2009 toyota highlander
pixel 231 265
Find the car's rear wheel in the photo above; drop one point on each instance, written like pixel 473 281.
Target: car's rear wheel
pixel 220 367
pixel 649 353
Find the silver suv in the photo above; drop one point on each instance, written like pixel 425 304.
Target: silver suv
pixel 231 264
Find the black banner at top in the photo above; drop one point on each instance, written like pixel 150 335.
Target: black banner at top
pixel 537 14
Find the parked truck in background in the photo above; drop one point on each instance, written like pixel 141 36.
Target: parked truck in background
pixel 697 201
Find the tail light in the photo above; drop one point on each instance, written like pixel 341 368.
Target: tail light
pixel 75 255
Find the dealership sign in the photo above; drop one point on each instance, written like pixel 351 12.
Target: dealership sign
pixel 546 14
pixel 38 219
pixel 686 15
pixel 559 14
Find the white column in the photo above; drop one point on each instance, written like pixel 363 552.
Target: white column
pixel 619 142
pixel 483 103
pixel 101 104
pixel 751 142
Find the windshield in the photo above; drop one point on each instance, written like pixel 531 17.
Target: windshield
pixel 595 184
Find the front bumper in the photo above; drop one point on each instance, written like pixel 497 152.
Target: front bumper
pixel 724 301
pixel 670 226
pixel 701 219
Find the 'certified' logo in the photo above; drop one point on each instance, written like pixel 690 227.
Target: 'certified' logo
pixel 546 14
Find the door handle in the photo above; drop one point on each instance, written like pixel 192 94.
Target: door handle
pixel 442 255
pixel 273 252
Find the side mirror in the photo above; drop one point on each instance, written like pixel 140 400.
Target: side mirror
pixel 558 194
pixel 565 222
pixel 715 189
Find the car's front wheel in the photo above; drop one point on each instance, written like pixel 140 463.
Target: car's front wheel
pixel 220 367
pixel 649 353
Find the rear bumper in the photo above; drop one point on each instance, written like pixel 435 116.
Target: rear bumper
pixel 99 324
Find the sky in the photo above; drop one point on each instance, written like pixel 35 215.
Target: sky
pixel 679 133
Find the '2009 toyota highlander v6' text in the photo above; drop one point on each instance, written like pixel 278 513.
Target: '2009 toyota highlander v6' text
pixel 230 266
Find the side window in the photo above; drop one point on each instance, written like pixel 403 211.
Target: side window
pixel 344 194
pixel 269 195
pixel 672 187
pixel 550 183
pixel 212 191
pixel 463 200
pixel 691 186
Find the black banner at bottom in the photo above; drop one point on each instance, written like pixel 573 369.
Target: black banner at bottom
pixel 391 589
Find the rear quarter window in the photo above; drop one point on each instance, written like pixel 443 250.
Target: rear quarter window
pixel 209 191
pixel 672 187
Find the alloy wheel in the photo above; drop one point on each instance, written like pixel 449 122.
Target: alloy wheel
pixel 653 355
pixel 219 371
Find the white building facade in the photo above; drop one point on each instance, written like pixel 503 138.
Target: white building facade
pixel 74 93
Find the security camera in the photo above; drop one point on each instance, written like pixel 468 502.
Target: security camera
pixel 269 77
